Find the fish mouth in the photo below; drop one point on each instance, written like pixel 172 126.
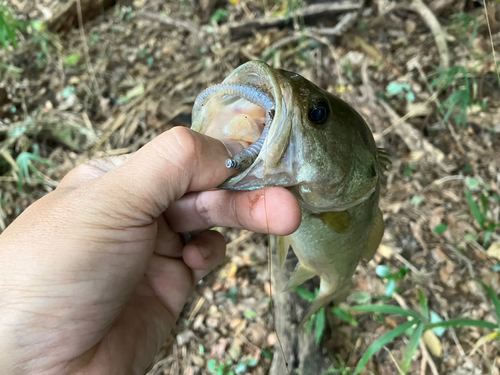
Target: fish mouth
pixel 249 114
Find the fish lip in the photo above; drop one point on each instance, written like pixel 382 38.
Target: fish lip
pixel 258 74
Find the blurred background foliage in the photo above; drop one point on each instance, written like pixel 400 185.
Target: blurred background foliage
pixel 81 79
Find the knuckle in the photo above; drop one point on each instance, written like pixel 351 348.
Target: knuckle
pixel 235 212
pixel 204 210
pixel 185 142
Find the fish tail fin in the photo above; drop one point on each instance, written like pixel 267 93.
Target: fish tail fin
pixel 328 291
pixel 299 275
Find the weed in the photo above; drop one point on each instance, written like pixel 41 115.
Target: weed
pixel 25 163
pixel 418 323
pixel 8 27
pixel 72 60
pixel 440 228
pixel 318 320
pixel 220 15
pixel 228 368
pixel 461 98
pixel 461 22
pixel 392 278
pixel 480 209
pixel 397 88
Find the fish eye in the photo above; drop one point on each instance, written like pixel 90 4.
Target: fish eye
pixel 318 113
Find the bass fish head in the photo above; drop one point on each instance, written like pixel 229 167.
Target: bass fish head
pixel 315 144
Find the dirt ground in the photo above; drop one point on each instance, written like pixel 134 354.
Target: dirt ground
pixel 133 71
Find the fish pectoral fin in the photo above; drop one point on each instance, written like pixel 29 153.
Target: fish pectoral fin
pixel 375 236
pixel 283 248
pixel 298 276
pixel 384 159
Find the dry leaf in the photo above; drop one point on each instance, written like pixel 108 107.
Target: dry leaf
pixel 432 342
pixel 494 250
pixel 229 270
pixel 483 340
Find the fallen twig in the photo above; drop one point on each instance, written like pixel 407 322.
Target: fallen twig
pixel 436 29
pixel 176 23
pixel 238 29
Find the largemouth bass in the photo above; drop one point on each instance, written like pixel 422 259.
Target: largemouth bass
pixel 282 130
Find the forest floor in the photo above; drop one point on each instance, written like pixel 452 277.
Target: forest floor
pixel 421 74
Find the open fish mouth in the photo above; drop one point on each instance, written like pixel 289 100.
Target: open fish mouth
pixel 248 114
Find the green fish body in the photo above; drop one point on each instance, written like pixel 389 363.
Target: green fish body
pixel 316 145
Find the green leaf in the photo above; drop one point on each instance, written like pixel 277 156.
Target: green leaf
pixel 484 204
pixel 416 200
pixel 494 298
pixel 240 367
pixel 344 315
pixel 319 326
pixel 383 271
pixel 476 212
pixel 424 307
pixel 470 237
pixel 386 309
pixel 410 96
pixel 250 314
pixel 412 346
pixel 267 354
pixel 487 235
pixel 390 288
pixel 305 294
pixel 379 344
pixel 461 323
pixel 72 60
pixel 211 365
pixel 218 16
pixel 435 318
pixel 441 228
pixel 252 362
pixel 395 88
pixel 472 183
pixel 360 298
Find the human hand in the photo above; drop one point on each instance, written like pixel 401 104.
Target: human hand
pixel 94 275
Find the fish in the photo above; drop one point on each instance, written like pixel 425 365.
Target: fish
pixel 282 130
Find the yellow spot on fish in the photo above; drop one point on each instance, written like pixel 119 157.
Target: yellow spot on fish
pixel 339 221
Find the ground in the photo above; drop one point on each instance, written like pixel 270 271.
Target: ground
pixel 421 74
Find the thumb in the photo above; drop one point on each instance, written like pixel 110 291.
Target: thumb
pixel 178 161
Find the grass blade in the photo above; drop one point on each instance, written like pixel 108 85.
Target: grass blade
pixel 494 298
pixel 304 294
pixel 345 316
pixel 412 346
pixel 476 212
pixel 377 345
pixel 319 328
pixel 424 306
pixel 461 323
pixel 384 309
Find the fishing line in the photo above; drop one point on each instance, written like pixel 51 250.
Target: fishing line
pixel 270 258
pixel 491 41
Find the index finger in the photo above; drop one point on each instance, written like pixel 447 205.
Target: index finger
pixel 176 162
